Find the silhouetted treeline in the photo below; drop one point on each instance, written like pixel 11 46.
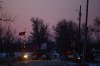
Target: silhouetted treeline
pixel 66 37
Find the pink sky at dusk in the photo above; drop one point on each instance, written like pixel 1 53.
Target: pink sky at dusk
pixel 49 10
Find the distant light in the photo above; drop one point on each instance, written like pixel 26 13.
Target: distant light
pixel 79 58
pixel 25 56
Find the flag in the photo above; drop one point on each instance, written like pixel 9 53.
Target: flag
pixel 21 33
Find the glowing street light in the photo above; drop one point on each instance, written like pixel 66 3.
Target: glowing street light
pixel 25 56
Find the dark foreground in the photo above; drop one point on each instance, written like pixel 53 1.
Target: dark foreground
pixel 46 63
pixel 35 63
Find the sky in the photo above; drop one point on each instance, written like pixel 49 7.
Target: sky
pixel 51 11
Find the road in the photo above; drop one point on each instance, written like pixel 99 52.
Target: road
pixel 40 63
pixel 37 63
pixel 46 63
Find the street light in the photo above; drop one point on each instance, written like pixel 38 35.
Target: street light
pixel 25 56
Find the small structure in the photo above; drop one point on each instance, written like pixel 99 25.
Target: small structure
pixel 54 55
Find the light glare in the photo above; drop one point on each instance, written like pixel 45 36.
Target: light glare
pixel 25 56
pixel 79 58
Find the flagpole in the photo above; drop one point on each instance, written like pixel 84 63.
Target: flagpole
pixel 25 39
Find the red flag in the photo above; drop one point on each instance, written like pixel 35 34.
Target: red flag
pixel 21 33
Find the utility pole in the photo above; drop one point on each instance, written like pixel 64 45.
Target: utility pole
pixel 79 24
pixel 86 29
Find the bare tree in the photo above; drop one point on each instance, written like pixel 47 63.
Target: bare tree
pixel 40 31
pixel 39 34
pixel 6 33
pixel 66 35
pixel 97 28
